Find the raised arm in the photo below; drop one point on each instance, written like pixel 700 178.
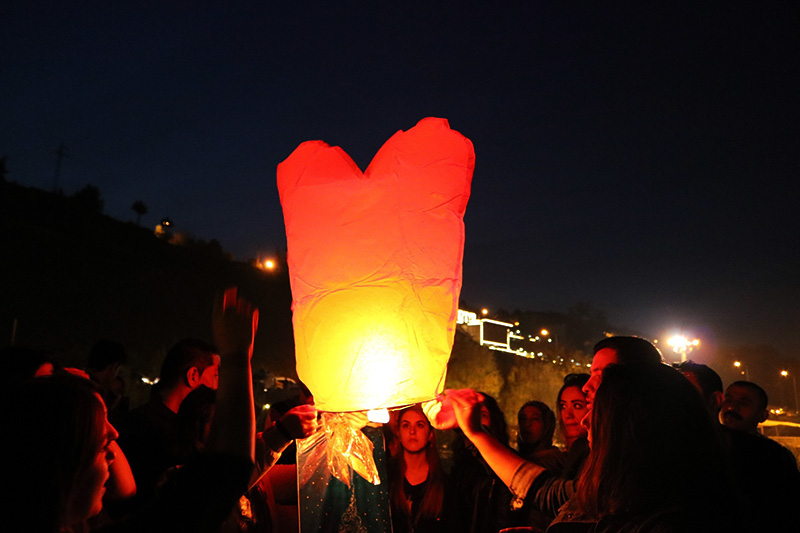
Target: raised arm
pixel 235 323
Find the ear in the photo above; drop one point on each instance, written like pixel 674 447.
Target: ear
pixel 763 415
pixel 717 399
pixel 192 377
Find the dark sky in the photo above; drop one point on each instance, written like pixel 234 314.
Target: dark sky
pixel 641 158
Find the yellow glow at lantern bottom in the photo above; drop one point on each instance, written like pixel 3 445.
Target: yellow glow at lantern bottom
pixel 381 344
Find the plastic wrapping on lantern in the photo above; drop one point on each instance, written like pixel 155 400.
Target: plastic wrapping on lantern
pixel 375 265
pixel 342 446
pixel 331 497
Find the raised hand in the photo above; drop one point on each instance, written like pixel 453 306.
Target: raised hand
pixel 235 322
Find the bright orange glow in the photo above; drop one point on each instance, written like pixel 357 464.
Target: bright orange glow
pixel 375 265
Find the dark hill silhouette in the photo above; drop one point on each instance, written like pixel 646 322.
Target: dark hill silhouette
pixel 71 276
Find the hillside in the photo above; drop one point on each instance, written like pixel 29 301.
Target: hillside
pixel 70 276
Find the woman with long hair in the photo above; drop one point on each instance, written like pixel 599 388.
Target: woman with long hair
pixel 57 455
pixel 486 497
pixel 537 425
pixel 59 448
pixel 571 408
pixel 420 495
pixel 656 463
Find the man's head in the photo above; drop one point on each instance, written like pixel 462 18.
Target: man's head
pixel 190 363
pixel 744 406
pixel 706 381
pixel 630 351
pixel 104 361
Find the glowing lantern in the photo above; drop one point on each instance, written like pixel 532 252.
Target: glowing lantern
pixel 375 265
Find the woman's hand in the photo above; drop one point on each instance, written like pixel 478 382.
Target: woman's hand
pixel 466 407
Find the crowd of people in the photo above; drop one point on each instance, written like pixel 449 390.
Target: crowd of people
pixel 634 446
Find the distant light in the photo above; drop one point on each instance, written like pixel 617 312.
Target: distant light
pixel 484 311
pixel 737 364
pixel 545 333
pixel 784 373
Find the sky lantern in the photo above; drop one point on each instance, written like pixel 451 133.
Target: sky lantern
pixel 375 265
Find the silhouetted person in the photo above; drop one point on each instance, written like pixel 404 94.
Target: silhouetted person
pixel 707 381
pixel 105 359
pixel 149 437
pixel 765 471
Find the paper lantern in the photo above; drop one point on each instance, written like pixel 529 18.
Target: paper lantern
pixel 375 265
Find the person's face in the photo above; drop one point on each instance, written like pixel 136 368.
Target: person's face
pixel 573 409
pixel 90 484
pixel 531 425
pixel 740 410
pixel 603 358
pixel 210 376
pixel 486 418
pixel 415 432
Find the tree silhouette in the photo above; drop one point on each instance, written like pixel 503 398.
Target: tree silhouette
pixel 140 208
pixel 89 199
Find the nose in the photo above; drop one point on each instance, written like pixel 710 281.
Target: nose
pixel 586 421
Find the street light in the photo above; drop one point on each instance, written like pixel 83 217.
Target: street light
pixel 681 345
pixel 743 367
pixel 785 373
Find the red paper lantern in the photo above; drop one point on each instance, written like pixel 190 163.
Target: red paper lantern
pixel 375 265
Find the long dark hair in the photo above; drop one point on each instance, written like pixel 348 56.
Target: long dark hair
pixel 549 428
pixel 433 497
pixel 53 426
pixel 570 380
pixel 654 447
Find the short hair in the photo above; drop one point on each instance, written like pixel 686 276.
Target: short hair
pixel 105 353
pixel 630 350
pixel 707 378
pixel 763 399
pixel 184 355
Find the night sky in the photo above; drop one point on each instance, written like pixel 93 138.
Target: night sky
pixel 641 158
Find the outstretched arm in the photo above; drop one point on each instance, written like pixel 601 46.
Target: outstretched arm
pixel 298 423
pixel 466 407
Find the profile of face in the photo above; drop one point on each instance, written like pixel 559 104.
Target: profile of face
pixel 573 408
pixel 415 431
pixel 531 424
pixel 210 376
pixel 87 499
pixel 741 410
pixel 486 417
pixel 603 358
